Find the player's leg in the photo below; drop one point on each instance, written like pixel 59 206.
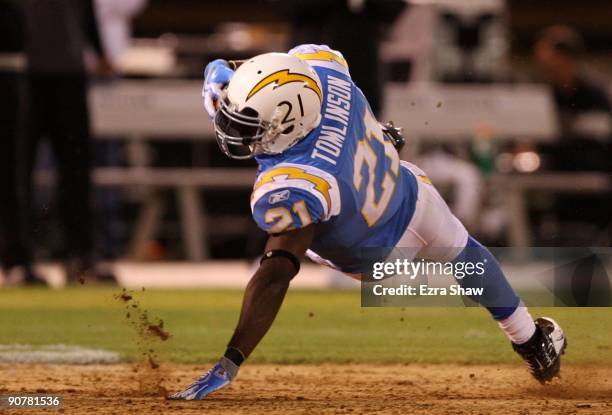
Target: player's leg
pixel 71 141
pixel 27 125
pixel 444 238
pixel 12 253
pixel 541 342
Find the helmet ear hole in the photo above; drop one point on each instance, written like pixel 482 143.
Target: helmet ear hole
pixel 288 130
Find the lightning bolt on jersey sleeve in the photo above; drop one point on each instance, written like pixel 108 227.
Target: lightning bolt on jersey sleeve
pixel 321 56
pixel 292 196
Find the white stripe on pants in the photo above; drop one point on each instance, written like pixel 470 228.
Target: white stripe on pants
pixel 433 232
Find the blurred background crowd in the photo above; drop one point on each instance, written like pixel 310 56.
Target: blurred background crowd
pixel 106 152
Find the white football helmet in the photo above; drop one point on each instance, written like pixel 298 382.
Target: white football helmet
pixel 272 101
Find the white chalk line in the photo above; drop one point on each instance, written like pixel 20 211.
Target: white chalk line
pixel 56 353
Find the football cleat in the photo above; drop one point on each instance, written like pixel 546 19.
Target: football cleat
pixel 543 351
pixel 211 381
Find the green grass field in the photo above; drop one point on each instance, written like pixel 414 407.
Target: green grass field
pixel 313 326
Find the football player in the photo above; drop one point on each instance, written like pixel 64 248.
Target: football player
pixel 331 184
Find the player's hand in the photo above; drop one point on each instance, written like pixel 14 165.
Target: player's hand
pixel 216 77
pixel 216 378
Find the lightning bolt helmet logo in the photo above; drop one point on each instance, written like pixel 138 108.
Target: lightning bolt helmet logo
pixel 277 118
pixel 283 77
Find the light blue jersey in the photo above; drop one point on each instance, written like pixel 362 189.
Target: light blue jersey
pixel 345 176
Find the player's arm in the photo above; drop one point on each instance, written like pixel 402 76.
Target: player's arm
pixel 321 55
pixel 288 202
pixel 267 288
pixel 289 213
pixel 262 299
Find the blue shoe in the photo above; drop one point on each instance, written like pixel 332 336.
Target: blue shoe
pixel 213 380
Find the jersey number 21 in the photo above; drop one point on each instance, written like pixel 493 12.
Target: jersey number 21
pixel 374 205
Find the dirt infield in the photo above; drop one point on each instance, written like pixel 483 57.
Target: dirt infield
pixel 323 389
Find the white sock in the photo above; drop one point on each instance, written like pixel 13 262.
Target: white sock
pixel 519 327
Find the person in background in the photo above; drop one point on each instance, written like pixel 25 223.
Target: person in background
pixel 356 27
pixel 57 35
pixel 14 255
pixel 580 101
pixel 114 21
pixel 558 53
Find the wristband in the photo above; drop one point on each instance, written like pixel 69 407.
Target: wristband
pixel 234 355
